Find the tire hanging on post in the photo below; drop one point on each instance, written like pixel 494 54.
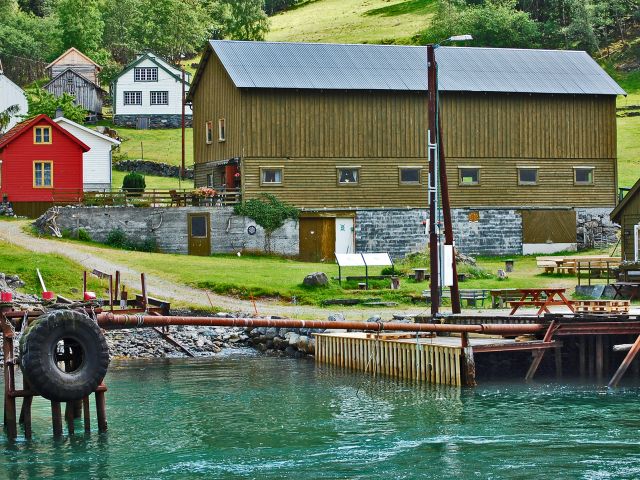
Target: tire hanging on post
pixel 64 355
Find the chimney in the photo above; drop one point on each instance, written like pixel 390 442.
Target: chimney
pixel 59 113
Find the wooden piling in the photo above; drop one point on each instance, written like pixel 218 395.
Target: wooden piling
pixel 101 411
pixel 86 414
pixel 56 419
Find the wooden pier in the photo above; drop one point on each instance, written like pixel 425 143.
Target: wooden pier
pixel 432 359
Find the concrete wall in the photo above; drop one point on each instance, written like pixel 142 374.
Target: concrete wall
pixel 168 226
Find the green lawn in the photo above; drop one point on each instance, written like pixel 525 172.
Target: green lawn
pixel 153 182
pixel 352 21
pixel 262 276
pixel 61 275
pixel 628 129
pixel 159 145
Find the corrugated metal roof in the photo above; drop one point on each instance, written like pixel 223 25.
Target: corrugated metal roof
pixel 395 67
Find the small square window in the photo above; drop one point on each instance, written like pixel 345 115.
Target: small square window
pixel 42 135
pixel 469 175
pixel 271 175
pixel 410 175
pixel 133 98
pixel 527 176
pixel 583 175
pixel 221 131
pixel 209 132
pixel 159 98
pixel 348 175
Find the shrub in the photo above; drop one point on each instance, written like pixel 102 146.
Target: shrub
pixel 84 235
pixel 117 238
pixel 133 183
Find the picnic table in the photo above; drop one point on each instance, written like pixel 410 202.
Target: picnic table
pixel 552 296
pixel 633 287
pixel 499 297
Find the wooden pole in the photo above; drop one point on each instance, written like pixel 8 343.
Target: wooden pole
pixel 56 419
pixel 10 420
pixel 446 217
pixel 625 364
pixel 101 411
pixel 86 414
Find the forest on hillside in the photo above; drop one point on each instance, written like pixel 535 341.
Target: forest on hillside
pixel 34 32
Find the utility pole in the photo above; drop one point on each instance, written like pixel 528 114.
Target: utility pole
pixel 433 181
pixel 182 168
pixel 439 187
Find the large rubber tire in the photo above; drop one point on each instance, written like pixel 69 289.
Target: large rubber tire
pixel 38 355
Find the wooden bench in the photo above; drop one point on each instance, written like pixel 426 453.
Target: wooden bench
pixel 602 306
pixel 470 296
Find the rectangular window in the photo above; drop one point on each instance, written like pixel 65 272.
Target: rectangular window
pixel 145 74
pixel 159 98
pixel 209 180
pixel 527 175
pixel 221 131
pixel 469 175
pixel 583 175
pixel 348 175
pixel 199 226
pixel 42 174
pixel 410 175
pixel 271 175
pixel 209 132
pixel 42 135
pixel 133 98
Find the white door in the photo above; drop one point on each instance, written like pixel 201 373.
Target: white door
pixel 344 235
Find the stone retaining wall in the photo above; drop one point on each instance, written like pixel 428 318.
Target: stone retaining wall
pixel 168 227
pixel 147 167
pixel 155 121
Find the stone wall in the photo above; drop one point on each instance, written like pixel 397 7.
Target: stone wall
pixel 404 231
pixel 397 231
pixel 168 226
pixel 487 231
pixel 155 121
pixel 147 167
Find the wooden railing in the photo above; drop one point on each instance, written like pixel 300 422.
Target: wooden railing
pixel 146 198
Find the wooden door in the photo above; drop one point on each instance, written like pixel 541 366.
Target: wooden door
pixel 545 226
pixel 199 234
pixel 317 239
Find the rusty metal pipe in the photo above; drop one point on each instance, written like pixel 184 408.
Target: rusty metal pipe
pixel 112 321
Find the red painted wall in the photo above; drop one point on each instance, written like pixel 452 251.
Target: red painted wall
pixel 17 166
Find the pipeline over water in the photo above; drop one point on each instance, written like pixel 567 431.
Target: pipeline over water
pixel 112 321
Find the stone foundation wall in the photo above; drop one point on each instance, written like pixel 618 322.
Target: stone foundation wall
pixel 168 227
pixel 155 121
pixel 147 167
pixel 487 231
pixel 398 232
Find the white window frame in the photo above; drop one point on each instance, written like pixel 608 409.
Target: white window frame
pixel 155 94
pixel 145 74
pixel 208 132
pixel 636 243
pixel 222 130
pixel 263 171
pixel 339 170
pixel 137 97
pixel 410 167
pixel 469 167
pixel 584 167
pixel 527 167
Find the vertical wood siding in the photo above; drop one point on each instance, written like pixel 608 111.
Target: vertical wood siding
pixel 87 95
pixel 312 132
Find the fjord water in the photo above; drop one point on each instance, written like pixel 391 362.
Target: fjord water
pixel 241 415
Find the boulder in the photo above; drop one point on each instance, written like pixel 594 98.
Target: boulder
pixel 316 279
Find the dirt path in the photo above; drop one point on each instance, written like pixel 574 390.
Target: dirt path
pixel 91 257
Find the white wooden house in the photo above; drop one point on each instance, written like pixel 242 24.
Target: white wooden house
pixel 96 163
pixel 12 94
pixel 148 94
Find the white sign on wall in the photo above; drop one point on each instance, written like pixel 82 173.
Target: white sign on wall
pixel 447 265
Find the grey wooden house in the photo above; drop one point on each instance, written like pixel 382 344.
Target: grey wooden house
pixel 88 94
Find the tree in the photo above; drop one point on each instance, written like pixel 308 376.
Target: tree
pixel 268 212
pixel 81 24
pixel 5 116
pixel 494 23
pixel 41 101
pixel 238 19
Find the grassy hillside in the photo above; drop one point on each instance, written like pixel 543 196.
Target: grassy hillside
pixel 352 21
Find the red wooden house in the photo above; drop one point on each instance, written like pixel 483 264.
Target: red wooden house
pixel 40 165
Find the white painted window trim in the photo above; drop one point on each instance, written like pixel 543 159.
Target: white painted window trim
pixel 137 94
pixel 636 242
pixel 584 167
pixel 147 74
pixel 222 130
pixel 274 167
pixel 528 167
pixel 154 95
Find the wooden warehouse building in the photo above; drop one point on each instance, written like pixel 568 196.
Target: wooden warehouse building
pixel 627 214
pixel 341 131
pixel 88 95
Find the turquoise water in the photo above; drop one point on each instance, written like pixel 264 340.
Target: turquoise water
pixel 247 416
